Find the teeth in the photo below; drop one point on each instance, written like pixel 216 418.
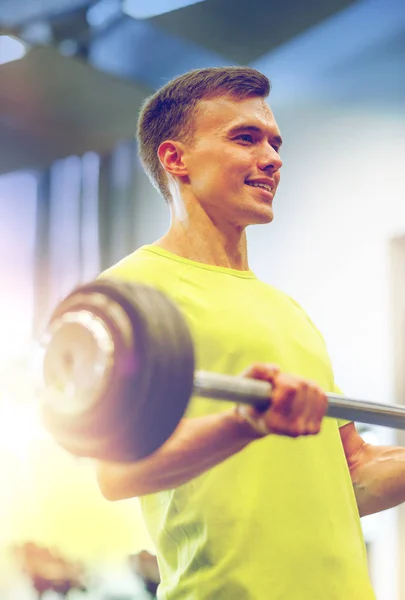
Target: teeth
pixel 262 185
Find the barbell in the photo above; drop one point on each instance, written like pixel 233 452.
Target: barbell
pixel 118 374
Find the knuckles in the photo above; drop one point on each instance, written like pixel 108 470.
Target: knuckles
pixel 297 407
pixel 294 430
pixel 290 397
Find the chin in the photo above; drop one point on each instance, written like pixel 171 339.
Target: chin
pixel 262 218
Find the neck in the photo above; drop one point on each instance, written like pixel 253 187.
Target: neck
pixel 193 234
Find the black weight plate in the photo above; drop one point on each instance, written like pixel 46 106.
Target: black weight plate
pixel 151 381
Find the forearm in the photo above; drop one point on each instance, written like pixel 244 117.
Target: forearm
pixel 378 477
pixel 196 446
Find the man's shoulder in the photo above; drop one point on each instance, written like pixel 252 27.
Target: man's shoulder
pixel 132 266
pixel 287 300
pixel 281 295
pixel 148 267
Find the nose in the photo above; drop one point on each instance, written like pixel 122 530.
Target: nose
pixel 270 160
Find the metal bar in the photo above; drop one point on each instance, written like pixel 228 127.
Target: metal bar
pixel 235 389
pixel 258 394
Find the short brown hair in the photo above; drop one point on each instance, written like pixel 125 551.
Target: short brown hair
pixel 168 113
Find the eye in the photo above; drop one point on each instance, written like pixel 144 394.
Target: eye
pixel 245 137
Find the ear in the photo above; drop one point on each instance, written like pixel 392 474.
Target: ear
pixel 171 154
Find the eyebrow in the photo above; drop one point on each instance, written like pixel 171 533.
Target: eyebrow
pixel 255 129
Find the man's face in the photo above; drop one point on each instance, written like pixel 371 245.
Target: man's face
pixel 235 150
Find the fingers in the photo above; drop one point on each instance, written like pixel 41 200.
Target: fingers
pixel 264 371
pixel 297 405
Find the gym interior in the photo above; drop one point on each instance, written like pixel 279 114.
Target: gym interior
pixel 74 200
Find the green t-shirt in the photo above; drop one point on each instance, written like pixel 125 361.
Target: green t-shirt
pixel 278 520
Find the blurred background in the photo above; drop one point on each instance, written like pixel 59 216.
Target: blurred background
pixel 74 199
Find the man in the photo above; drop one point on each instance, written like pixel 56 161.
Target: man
pixel 242 505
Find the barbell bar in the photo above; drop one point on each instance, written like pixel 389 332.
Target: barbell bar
pixel 118 374
pixel 257 393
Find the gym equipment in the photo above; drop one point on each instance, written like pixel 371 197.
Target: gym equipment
pixel 118 374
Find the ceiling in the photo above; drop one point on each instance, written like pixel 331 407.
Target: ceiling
pixel 81 87
pixel 52 106
pixel 242 30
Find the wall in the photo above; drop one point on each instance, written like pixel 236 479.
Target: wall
pixel 17 238
pixel 152 213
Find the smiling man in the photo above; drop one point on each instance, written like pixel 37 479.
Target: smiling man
pixel 243 505
pixel 227 170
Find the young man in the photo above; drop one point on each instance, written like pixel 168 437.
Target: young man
pixel 242 505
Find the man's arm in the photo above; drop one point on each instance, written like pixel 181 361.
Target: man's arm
pixel 297 408
pixel 377 472
pixel 196 446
